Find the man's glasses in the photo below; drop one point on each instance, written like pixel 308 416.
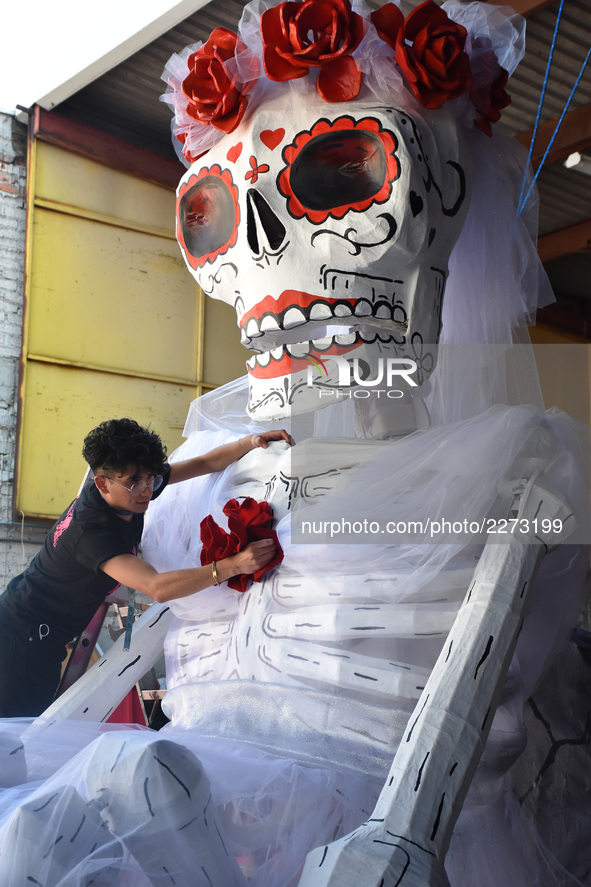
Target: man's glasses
pixel 137 488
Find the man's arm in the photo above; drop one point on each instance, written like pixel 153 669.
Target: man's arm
pixel 136 573
pixel 221 457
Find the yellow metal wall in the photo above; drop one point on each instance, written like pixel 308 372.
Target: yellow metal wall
pixel 114 323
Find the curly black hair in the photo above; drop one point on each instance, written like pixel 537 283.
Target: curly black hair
pixel 117 443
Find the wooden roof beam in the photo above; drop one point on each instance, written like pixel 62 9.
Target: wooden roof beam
pixel 573 239
pixel 527 7
pixel 574 135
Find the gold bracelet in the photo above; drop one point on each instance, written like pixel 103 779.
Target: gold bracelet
pixel 214 573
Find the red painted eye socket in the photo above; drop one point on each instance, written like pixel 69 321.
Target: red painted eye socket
pixel 207 215
pixel 339 166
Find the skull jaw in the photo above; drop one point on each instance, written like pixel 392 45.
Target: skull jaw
pixel 385 369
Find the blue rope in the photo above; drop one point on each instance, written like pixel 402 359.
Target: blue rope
pixel 539 114
pixel 555 133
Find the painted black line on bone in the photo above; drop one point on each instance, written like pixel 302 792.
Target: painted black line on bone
pixel 453 768
pixel 438 818
pixel 55 843
pixel 17 749
pixel 174 776
pixel 485 718
pixel 77 832
pixel 323 858
pixel 164 869
pixel 206 875
pixel 523 589
pixel 485 655
pixel 187 824
pixel 451 643
pixel 420 773
pixel 43 806
pixel 215 825
pixel 210 655
pixel 159 617
pixel 207 803
pixel 119 753
pixel 147 797
pixel 399 665
pixel 408 841
pixel 368 627
pixel 365 677
pixel 137 659
pixel 33 880
pixel 417 717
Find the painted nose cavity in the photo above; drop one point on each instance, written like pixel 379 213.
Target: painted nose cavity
pixel 263 228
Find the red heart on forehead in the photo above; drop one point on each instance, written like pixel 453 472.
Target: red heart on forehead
pixel 234 153
pixel 272 137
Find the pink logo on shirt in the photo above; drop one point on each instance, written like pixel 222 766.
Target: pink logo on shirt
pixel 64 524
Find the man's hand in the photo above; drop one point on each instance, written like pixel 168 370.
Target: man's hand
pixel 263 439
pixel 247 561
pixel 221 457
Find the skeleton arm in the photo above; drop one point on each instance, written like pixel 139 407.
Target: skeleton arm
pixel 406 839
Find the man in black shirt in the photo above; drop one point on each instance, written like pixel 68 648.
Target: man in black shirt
pixel 93 547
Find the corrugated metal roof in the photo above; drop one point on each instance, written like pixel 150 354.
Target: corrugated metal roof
pixel 125 102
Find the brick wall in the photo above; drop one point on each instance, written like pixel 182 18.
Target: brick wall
pixel 18 542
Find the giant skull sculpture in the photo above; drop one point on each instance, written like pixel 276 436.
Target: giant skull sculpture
pixel 328 228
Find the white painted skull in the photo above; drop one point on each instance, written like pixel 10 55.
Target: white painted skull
pixel 328 227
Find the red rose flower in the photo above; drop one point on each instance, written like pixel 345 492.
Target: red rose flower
pixel 429 50
pixel 388 21
pixel 214 95
pixel 321 34
pixel 248 521
pixel 489 101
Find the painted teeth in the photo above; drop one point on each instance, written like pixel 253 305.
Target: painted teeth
pixel 298 349
pixel 302 349
pixel 342 310
pixel 320 311
pixel 293 317
pixel 362 308
pixel 252 328
pixel 269 324
pixel 322 344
